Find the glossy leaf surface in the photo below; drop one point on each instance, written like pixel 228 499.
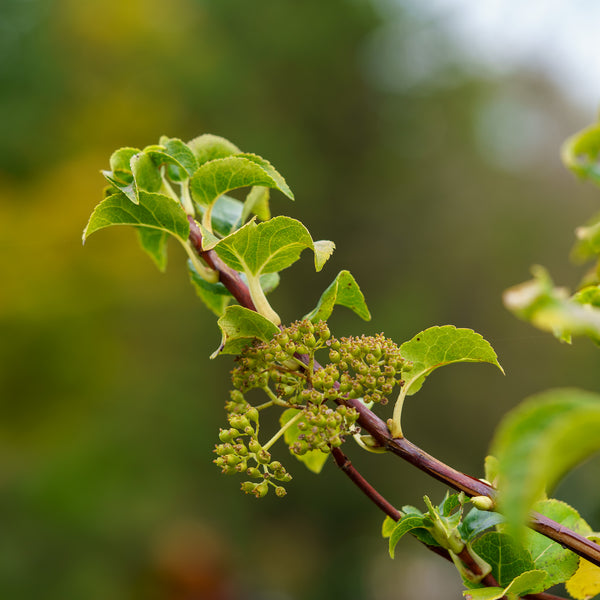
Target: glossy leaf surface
pixel 439 346
pixel 343 291
pixel 154 211
pixel 239 327
pixel 265 248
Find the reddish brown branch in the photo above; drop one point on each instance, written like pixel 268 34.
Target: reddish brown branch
pixel 228 277
pixel 344 463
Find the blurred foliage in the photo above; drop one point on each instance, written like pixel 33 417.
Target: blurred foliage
pixel 110 405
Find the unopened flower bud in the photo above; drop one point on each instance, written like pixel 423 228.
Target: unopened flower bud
pixel 261 489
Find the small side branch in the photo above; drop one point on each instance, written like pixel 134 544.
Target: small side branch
pixel 344 463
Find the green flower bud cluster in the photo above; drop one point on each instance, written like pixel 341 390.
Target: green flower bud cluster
pixel 241 452
pixel 322 428
pixel 273 362
pixel 369 367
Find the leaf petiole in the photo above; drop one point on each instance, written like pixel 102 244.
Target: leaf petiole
pixel 205 272
pixel 260 300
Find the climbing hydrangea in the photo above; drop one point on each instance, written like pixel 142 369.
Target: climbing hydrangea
pixel 366 367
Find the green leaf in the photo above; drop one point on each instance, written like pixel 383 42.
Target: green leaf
pixel 154 243
pixel 549 308
pixel 257 203
pixel 221 175
pixel 281 184
pixel 120 164
pixel 183 155
pixel 128 189
pixel 343 291
pixel 449 504
pixel 240 327
pixel 387 527
pixel 539 441
pixel 226 215
pixel 530 582
pixel 588 295
pixel 507 558
pixel 313 459
pixel 477 521
pixel 486 593
pixel 265 248
pixel 439 346
pixel 214 295
pixel 588 240
pixel 559 563
pixel 403 526
pixel 154 211
pixel 146 174
pixel 581 153
pixel 207 147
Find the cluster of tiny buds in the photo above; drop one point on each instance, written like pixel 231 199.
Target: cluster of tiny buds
pixel 322 428
pixel 365 367
pixel 276 360
pixel 240 452
pixel 369 366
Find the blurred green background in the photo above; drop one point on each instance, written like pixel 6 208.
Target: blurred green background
pixel 440 191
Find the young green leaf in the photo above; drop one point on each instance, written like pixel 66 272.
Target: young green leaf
pixel 507 558
pixel 240 327
pixel 154 243
pixel 226 215
pixel 146 174
pixel 433 348
pixel 581 153
pixel 403 526
pixel 257 203
pixel 549 308
pixel 313 459
pixel 120 163
pixel 387 527
pixel 214 295
pixel 184 156
pixel 588 240
pixel 154 211
pixel 530 582
pixel 117 185
pixel 268 247
pixel 589 295
pixel 539 441
pixel 549 556
pixel 207 147
pixel 221 175
pixel 439 346
pixel 343 291
pixel 477 521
